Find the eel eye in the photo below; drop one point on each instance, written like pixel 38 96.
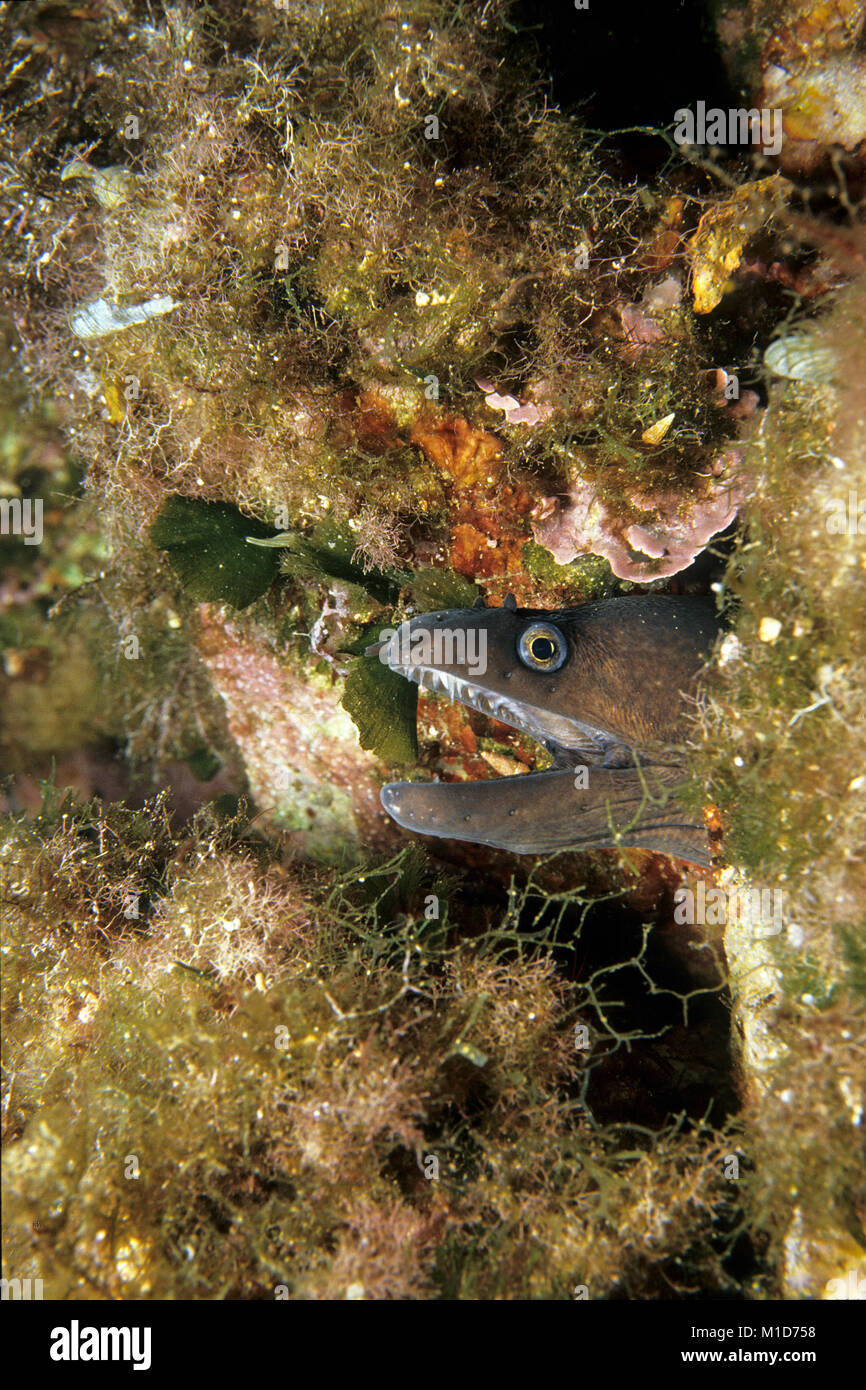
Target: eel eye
pixel 542 647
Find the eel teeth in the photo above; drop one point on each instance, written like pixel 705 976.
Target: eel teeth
pixel 467 694
pixel 476 697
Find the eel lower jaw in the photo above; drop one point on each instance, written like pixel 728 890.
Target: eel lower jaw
pixel 545 812
pixel 459 810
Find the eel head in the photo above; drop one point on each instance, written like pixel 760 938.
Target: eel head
pixel 601 687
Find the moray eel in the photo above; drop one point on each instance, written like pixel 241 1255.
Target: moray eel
pixel 603 687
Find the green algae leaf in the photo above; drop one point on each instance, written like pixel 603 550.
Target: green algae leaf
pixel 441 588
pixel 383 708
pixel 206 545
pixel 327 554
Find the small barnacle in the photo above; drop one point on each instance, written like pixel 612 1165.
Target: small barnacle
pixel 800 357
pixel 111 186
pixel 98 318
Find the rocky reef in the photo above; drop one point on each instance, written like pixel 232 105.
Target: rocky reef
pixel 314 318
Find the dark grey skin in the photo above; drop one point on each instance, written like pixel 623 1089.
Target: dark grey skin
pixel 615 707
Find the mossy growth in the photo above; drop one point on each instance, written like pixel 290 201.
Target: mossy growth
pixel 779 743
pixel 372 1102
pixel 336 247
pixel 781 721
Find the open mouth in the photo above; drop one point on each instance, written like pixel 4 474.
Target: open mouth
pixel 590 790
pixel 562 738
pixel 475 697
